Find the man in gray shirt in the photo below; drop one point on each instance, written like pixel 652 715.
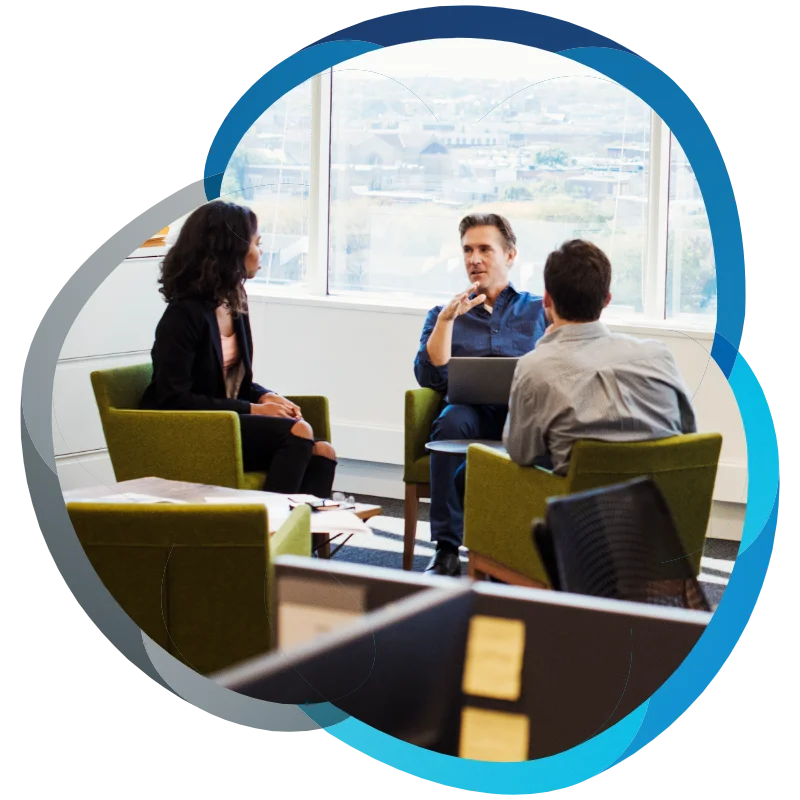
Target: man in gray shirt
pixel 583 381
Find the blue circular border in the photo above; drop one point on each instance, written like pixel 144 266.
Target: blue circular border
pixel 680 114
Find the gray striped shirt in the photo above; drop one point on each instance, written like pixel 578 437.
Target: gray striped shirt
pixel 584 382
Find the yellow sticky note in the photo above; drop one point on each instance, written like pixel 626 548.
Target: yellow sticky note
pixel 298 624
pixel 493 735
pixel 493 665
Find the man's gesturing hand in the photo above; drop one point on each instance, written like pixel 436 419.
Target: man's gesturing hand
pixel 461 303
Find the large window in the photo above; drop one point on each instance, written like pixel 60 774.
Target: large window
pixel 561 158
pixel 360 176
pixel 270 172
pixel 691 286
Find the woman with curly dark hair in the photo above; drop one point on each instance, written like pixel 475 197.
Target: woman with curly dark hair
pixel 202 356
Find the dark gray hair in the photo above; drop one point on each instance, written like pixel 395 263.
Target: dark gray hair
pixel 496 221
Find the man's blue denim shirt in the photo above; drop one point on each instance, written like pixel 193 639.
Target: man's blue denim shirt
pixel 511 329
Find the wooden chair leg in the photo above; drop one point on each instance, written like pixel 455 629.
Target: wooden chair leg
pixel 321 544
pixel 473 570
pixel 410 512
pixel 481 567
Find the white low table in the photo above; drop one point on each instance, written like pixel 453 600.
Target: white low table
pixel 325 525
pixel 458 447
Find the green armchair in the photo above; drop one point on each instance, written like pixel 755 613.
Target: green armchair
pixel 422 408
pixel 193 446
pixel 197 579
pixel 502 498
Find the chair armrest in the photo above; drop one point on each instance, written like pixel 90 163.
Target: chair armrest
pixel 194 446
pixel 501 501
pixel 422 408
pixel 316 413
pixel 293 538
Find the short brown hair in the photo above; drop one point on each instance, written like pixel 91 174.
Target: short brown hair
pixel 578 277
pixel 496 221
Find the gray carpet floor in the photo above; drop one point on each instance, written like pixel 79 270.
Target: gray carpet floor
pixel 383 547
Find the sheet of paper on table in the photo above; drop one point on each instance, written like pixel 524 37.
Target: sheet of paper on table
pixel 135 497
pixel 238 500
pixel 321 522
pixel 161 491
pixel 277 508
pixel 333 521
pixel 336 521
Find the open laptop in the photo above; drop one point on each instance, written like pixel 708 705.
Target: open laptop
pixel 481 380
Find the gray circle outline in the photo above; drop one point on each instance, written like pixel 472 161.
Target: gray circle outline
pixel 48 502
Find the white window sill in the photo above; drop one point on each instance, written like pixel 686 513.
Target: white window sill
pixel 260 293
pixel 148 252
pixel 294 297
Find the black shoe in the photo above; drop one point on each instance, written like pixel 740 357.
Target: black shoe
pixel 445 563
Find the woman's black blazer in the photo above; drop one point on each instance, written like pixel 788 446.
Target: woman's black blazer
pixel 187 362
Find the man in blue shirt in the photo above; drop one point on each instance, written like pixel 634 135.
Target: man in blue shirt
pixel 490 318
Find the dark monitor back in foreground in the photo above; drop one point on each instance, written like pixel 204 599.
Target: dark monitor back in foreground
pixel 397 669
pixel 588 661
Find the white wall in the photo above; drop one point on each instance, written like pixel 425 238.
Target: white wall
pixel 360 356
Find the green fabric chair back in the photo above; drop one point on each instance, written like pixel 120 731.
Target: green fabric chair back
pixel 502 498
pixel 684 467
pixel 197 579
pixel 194 446
pixel 121 387
pixel 421 409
